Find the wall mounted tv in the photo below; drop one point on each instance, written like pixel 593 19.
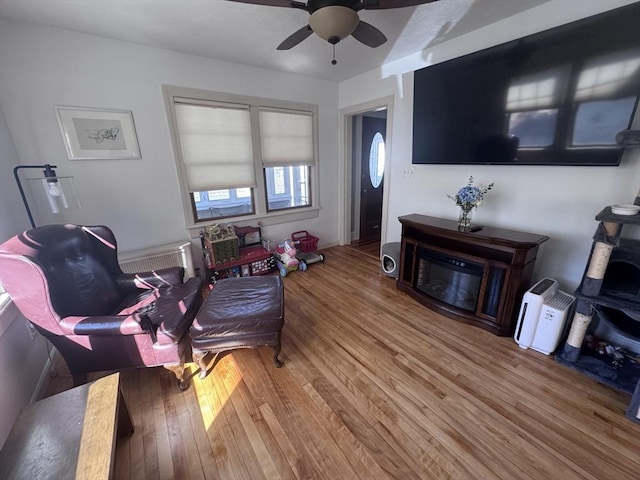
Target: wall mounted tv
pixel 554 98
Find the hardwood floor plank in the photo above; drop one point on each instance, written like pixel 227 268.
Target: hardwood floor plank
pixel 290 402
pixel 226 449
pixel 147 423
pixel 201 440
pixel 211 408
pixel 355 453
pixel 176 442
pixel 247 439
pixel 368 401
pixel 288 449
pixel 163 444
pixel 354 412
pixel 193 459
pixel 377 363
pixel 374 385
pixel 136 441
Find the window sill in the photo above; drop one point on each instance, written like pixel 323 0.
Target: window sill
pixel 8 312
pixel 264 220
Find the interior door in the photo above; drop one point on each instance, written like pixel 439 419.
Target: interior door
pixel 372 181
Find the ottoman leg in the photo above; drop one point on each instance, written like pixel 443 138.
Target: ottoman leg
pixel 198 358
pixel 178 371
pixel 276 351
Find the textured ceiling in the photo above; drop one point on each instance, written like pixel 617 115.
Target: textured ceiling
pixel 249 34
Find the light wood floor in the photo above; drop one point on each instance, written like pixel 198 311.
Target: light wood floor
pixel 368 248
pixel 375 386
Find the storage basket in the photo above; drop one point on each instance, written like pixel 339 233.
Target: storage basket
pixel 304 241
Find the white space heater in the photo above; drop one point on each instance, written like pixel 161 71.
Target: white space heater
pixel 542 317
pixel 172 255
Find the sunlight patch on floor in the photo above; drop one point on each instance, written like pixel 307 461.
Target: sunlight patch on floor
pixel 212 395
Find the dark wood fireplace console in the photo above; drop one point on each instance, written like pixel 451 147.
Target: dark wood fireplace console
pixel 491 269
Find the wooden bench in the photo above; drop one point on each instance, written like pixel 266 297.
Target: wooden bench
pixel 69 435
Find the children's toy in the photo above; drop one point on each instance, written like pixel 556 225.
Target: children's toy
pixel 307 246
pixel 286 260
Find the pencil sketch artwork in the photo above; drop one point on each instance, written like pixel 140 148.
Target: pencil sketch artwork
pixel 99 134
pixel 104 134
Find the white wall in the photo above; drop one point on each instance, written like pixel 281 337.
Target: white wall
pixel 22 360
pixel 560 202
pixel 138 199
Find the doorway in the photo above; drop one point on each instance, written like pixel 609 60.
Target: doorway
pixel 359 150
pixel 374 132
pixel 368 159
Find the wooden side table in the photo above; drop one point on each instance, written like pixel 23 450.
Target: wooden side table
pixel 69 435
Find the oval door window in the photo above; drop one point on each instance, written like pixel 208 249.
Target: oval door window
pixel 376 160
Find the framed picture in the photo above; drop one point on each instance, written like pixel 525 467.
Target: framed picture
pixel 94 133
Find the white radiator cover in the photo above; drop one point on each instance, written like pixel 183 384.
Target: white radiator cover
pixel 171 255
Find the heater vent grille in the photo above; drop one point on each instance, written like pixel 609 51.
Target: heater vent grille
pixel 173 255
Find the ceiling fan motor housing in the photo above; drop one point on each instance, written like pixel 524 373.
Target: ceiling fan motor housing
pixel 334 22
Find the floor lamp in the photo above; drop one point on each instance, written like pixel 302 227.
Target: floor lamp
pixel 58 192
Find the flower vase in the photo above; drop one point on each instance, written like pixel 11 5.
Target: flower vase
pixel 464 219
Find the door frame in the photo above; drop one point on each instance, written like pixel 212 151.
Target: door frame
pixel 345 161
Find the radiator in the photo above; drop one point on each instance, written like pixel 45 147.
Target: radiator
pixel 172 255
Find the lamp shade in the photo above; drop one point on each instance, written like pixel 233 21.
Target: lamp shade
pixel 54 197
pixel 52 194
pixel 333 23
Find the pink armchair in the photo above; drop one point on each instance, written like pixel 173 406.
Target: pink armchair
pixel 65 279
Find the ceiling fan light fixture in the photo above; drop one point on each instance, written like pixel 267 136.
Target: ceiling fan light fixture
pixel 334 22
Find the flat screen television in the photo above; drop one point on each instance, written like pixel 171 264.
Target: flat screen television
pixel 558 97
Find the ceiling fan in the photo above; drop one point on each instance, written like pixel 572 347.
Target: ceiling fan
pixel 334 20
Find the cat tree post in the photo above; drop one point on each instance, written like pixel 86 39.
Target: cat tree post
pixel 605 240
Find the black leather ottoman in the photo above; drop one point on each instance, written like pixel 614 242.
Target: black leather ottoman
pixel 245 312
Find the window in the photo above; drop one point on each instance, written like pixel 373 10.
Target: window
pixel 287 154
pixel 287 187
pixel 376 160
pixel 4 301
pixel 217 204
pixel 241 156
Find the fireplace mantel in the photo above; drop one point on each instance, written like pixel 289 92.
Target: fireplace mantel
pixel 504 258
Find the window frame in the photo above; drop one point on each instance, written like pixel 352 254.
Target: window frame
pixel 261 211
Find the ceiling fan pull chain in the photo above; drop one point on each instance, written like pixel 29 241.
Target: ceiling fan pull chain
pixel 333 62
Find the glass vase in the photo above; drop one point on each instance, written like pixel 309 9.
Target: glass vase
pixel 464 218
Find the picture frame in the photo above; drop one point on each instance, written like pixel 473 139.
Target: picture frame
pixel 98 133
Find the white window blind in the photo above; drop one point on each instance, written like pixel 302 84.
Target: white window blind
pixel 286 138
pixel 216 146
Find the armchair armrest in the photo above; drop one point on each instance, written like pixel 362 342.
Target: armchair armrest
pixel 163 277
pixel 105 325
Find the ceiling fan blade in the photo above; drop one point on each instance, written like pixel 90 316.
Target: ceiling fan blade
pixel 369 35
pixel 382 4
pixel 295 38
pixel 270 3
